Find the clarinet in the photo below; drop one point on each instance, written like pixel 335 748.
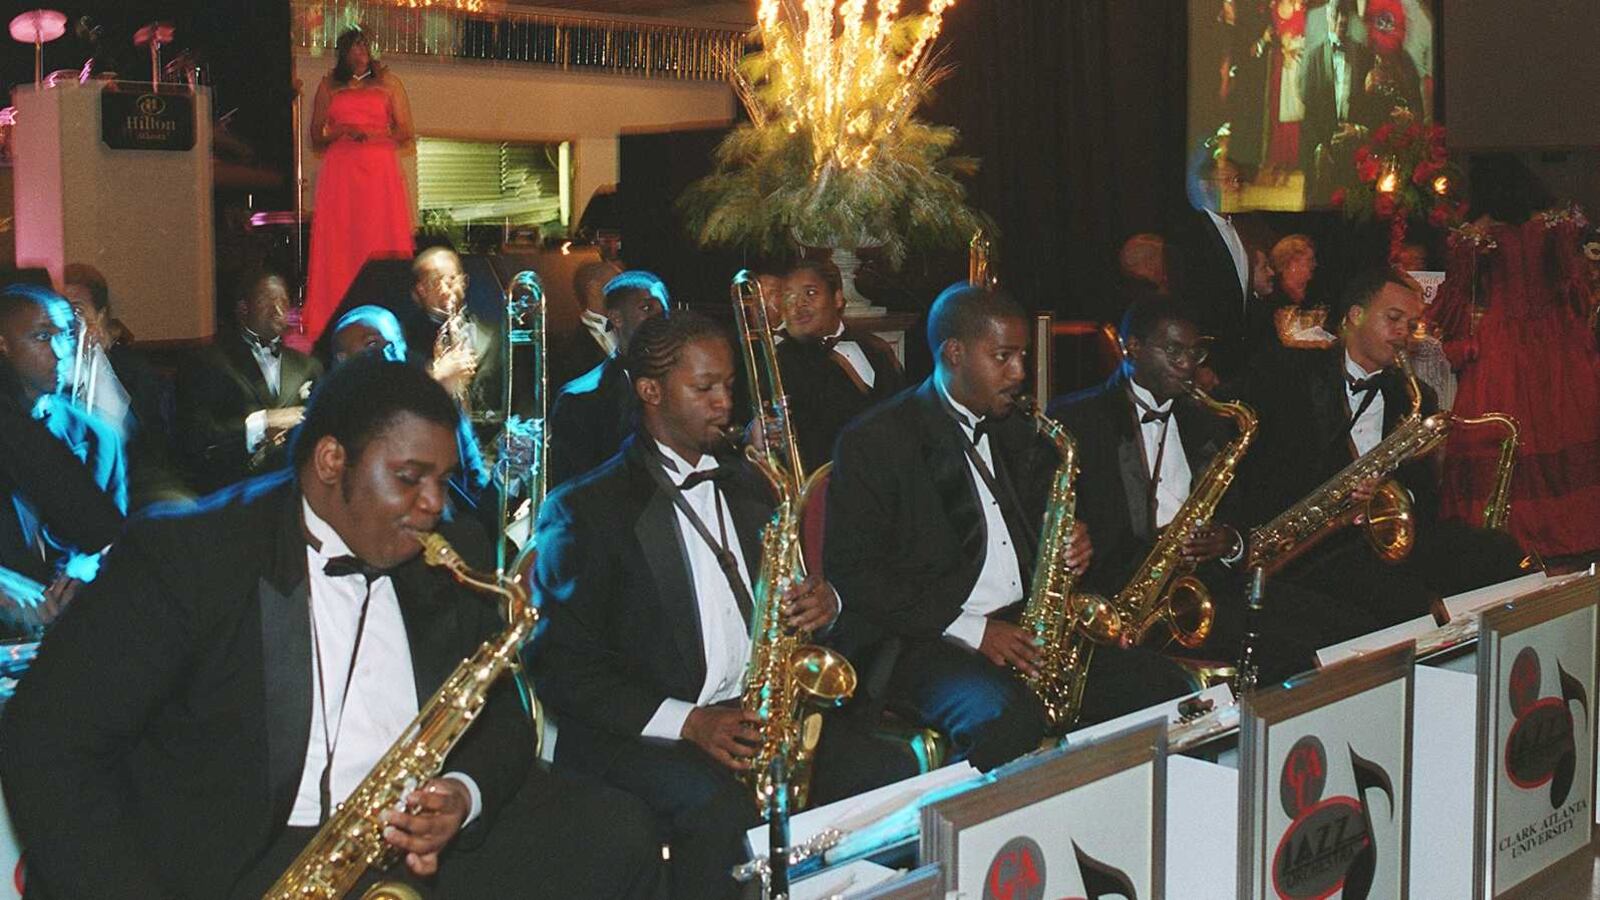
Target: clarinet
pixel 1249 670
pixel 778 832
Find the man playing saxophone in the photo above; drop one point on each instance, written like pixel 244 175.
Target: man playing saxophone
pixel 645 578
pixel 1147 447
pixel 934 511
pixel 239 667
pixel 1322 409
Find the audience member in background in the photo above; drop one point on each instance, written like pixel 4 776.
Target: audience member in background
pixel 832 372
pixel 62 478
pixel 1295 322
pixel 146 432
pixel 594 412
pixel 238 399
pixel 463 352
pixel 770 277
pixel 1213 266
pixel 592 341
pixel 1143 264
pixel 1515 315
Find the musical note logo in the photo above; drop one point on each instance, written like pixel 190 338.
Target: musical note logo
pixel 1330 843
pixel 1541 747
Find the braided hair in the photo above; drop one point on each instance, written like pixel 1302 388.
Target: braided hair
pixel 658 344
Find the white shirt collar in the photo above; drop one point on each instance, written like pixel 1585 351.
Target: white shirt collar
pixel 1221 220
pixel 328 543
pixel 968 417
pixel 1354 369
pixel 1148 399
pixel 681 467
pixel 838 332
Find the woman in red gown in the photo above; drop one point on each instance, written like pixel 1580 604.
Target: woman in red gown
pixel 360 119
pixel 1514 314
pixel 1285 108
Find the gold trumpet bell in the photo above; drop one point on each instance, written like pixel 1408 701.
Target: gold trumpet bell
pixel 1188 612
pixel 1390 525
pixel 1097 619
pixel 822 675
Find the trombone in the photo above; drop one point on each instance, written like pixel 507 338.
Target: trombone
pixel 770 402
pixel 520 458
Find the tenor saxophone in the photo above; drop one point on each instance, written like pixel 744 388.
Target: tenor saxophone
pixel 1163 591
pixel 1064 623
pixel 789 680
pixel 351 841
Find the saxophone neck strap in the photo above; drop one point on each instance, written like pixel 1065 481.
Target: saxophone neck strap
pixel 719 548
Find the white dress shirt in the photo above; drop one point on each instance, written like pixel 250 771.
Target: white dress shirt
pixel 1000 580
pixel 1235 244
pixel 856 357
pixel 724 635
pixel 598 327
pixel 255 424
pixel 382 699
pixel 1341 84
pixel 1368 428
pixel 1174 481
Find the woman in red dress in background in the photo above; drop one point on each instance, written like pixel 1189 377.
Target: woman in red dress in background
pixel 1514 312
pixel 360 119
pixel 1285 108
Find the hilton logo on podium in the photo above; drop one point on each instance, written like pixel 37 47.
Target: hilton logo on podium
pixel 132 121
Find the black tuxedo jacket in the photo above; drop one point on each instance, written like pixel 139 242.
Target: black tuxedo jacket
pixel 217 391
pixel 622 629
pixel 1208 280
pixel 823 397
pixel 36 465
pixel 1113 478
pixel 1304 436
pixel 905 535
pixel 572 354
pixel 591 417
pixel 155 748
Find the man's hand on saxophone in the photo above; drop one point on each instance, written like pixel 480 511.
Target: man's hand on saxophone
pixel 811 605
pixel 1211 541
pixel 433 816
pixel 727 734
pixel 1080 550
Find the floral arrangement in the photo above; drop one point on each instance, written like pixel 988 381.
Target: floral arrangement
pixel 833 154
pixel 1403 174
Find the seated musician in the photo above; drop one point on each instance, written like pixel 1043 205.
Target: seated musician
pixel 239 667
pixel 645 578
pixel 594 412
pixel 63 487
pixel 832 372
pixel 934 509
pixel 1144 445
pixel 1322 409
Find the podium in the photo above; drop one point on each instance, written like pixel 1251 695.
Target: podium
pixel 143 217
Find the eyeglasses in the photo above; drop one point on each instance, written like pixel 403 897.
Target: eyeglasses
pixel 1195 354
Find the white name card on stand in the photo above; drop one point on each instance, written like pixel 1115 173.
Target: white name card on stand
pixel 1536 735
pixel 1082 822
pixel 1325 782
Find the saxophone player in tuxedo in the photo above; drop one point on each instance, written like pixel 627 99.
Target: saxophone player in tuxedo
pixel 1322 410
pixel 1149 443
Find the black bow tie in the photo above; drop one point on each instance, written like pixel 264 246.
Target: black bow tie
pixel 720 473
pixel 831 341
pixel 1151 415
pixel 340 566
pixel 1364 385
pixel 984 426
pixel 273 347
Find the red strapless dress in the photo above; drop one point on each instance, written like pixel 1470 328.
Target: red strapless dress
pixel 362 210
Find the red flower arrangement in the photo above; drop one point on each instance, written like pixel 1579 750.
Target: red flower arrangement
pixel 1403 173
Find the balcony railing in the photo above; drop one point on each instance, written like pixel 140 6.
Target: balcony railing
pixel 573 43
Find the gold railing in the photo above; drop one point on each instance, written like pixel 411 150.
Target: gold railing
pixel 577 43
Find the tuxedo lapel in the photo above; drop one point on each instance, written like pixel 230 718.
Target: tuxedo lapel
pixel 283 596
pixel 656 530
pixel 947 467
pixel 1198 430
pixel 294 374
pixel 243 363
pixel 1330 411
pixel 429 611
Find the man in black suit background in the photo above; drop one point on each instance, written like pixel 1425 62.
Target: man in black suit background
pixel 1144 444
pixel 933 516
pixel 1319 411
pixel 832 372
pixel 197 714
pixel 646 572
pixel 592 340
pixel 594 412
pixel 246 389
